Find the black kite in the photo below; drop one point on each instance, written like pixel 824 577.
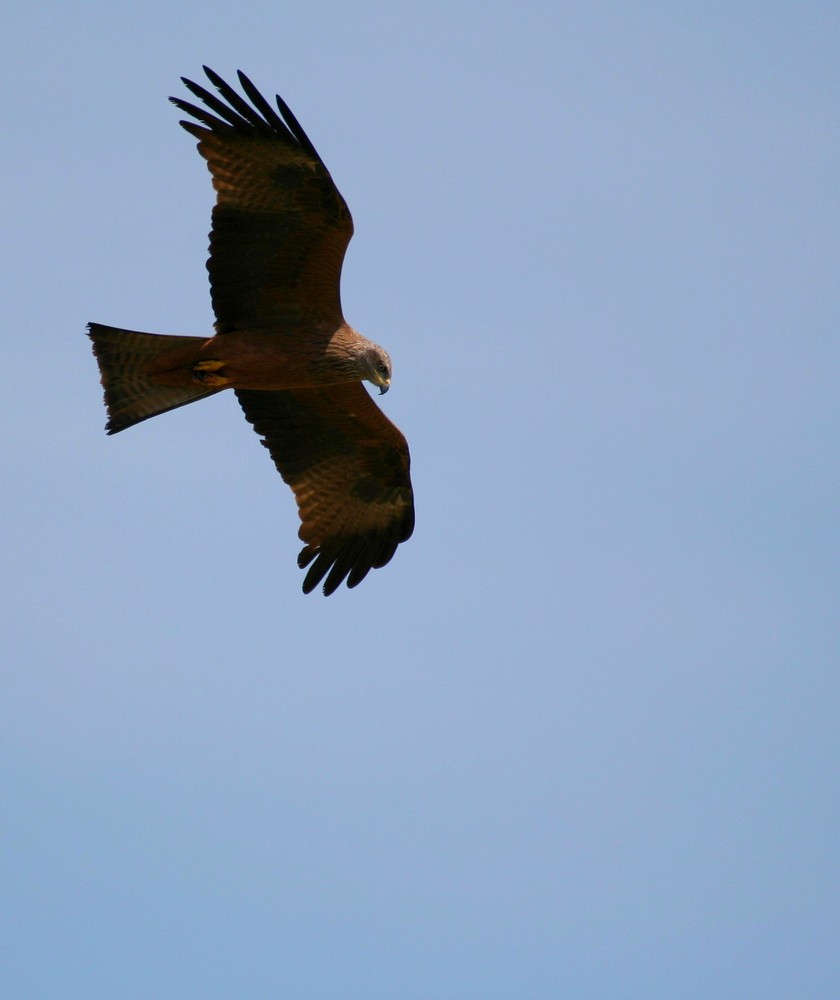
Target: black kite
pixel 280 229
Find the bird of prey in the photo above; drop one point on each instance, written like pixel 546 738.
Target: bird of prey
pixel 280 229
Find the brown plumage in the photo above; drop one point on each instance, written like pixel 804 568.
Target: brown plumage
pixel 280 231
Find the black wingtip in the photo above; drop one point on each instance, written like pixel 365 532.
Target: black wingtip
pixel 233 111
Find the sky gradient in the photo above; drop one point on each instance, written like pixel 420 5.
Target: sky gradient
pixel 579 739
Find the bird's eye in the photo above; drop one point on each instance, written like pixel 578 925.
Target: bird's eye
pixel 382 367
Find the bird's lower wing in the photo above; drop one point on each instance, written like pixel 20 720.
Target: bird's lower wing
pixel 348 466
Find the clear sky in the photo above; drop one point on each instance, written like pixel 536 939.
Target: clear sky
pixel 580 737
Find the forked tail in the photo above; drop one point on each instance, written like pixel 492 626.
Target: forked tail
pixel 125 360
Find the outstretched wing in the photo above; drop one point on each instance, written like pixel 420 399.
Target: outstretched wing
pixel 348 466
pixel 280 226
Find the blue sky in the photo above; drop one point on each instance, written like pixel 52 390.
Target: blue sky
pixel 580 737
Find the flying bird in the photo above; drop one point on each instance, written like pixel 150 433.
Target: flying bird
pixel 279 233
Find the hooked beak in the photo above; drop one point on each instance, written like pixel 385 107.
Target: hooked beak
pixel 384 387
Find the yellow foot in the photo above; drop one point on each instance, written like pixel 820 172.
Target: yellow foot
pixel 209 373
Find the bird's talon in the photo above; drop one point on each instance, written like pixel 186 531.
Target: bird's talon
pixel 209 373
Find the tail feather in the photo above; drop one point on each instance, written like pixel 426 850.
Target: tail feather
pixel 125 358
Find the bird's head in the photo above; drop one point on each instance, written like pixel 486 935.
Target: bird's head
pixel 378 367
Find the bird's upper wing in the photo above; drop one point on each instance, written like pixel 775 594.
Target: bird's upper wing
pixel 348 466
pixel 280 226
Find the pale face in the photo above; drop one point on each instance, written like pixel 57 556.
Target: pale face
pixel 379 365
